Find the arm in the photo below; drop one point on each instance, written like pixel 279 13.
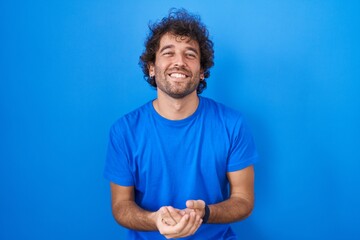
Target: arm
pixel 128 214
pixel 240 203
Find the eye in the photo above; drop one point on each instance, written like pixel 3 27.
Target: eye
pixel 168 53
pixel 191 55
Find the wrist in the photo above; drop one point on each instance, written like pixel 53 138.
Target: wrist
pixel 206 214
pixel 152 217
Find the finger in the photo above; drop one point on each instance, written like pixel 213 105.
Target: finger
pixel 170 218
pixel 162 213
pixel 187 211
pixel 166 216
pixel 188 229
pixel 190 203
pixel 163 210
pixel 196 225
pixel 168 221
pixel 175 214
pixel 176 231
pixel 195 204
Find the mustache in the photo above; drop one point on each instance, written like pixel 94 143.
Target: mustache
pixel 181 69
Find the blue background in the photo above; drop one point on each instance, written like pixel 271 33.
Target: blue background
pixel 69 69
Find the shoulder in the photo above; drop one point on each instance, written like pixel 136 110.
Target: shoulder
pixel 220 111
pixel 132 119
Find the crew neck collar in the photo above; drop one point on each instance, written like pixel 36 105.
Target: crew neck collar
pixel 176 122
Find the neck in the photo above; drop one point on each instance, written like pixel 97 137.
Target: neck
pixel 176 109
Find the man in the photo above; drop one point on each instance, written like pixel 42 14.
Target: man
pixel 180 166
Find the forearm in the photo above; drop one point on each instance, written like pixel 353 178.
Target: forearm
pixel 231 210
pixel 130 215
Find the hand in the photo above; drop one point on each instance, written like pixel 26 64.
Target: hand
pixel 171 216
pixel 198 206
pixel 172 224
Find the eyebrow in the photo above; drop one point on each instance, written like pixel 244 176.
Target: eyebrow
pixel 172 46
pixel 193 49
pixel 166 47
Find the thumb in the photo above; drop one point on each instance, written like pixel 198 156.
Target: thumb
pixel 190 203
pixel 193 204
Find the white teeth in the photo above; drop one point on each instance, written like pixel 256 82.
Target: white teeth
pixel 177 75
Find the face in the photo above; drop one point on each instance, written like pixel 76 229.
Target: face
pixel 177 68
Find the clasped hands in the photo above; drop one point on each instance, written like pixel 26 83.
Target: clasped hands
pixel 176 223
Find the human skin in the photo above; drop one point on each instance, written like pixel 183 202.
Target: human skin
pixel 177 73
pixel 177 68
pixel 176 223
pixel 237 207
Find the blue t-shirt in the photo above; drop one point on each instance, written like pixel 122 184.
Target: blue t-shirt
pixel 171 161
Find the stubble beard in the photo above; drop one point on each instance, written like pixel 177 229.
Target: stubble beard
pixel 176 90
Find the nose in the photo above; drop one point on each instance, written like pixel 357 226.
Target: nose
pixel 179 60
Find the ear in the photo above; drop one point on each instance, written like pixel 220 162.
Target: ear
pixel 151 68
pixel 202 76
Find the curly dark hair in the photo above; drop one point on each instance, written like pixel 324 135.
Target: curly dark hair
pixel 181 23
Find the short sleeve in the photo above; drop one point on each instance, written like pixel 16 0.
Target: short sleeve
pixel 117 168
pixel 243 151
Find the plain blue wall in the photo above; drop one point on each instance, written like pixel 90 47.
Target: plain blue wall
pixel 69 70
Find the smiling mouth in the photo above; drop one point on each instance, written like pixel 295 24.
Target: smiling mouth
pixel 178 75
